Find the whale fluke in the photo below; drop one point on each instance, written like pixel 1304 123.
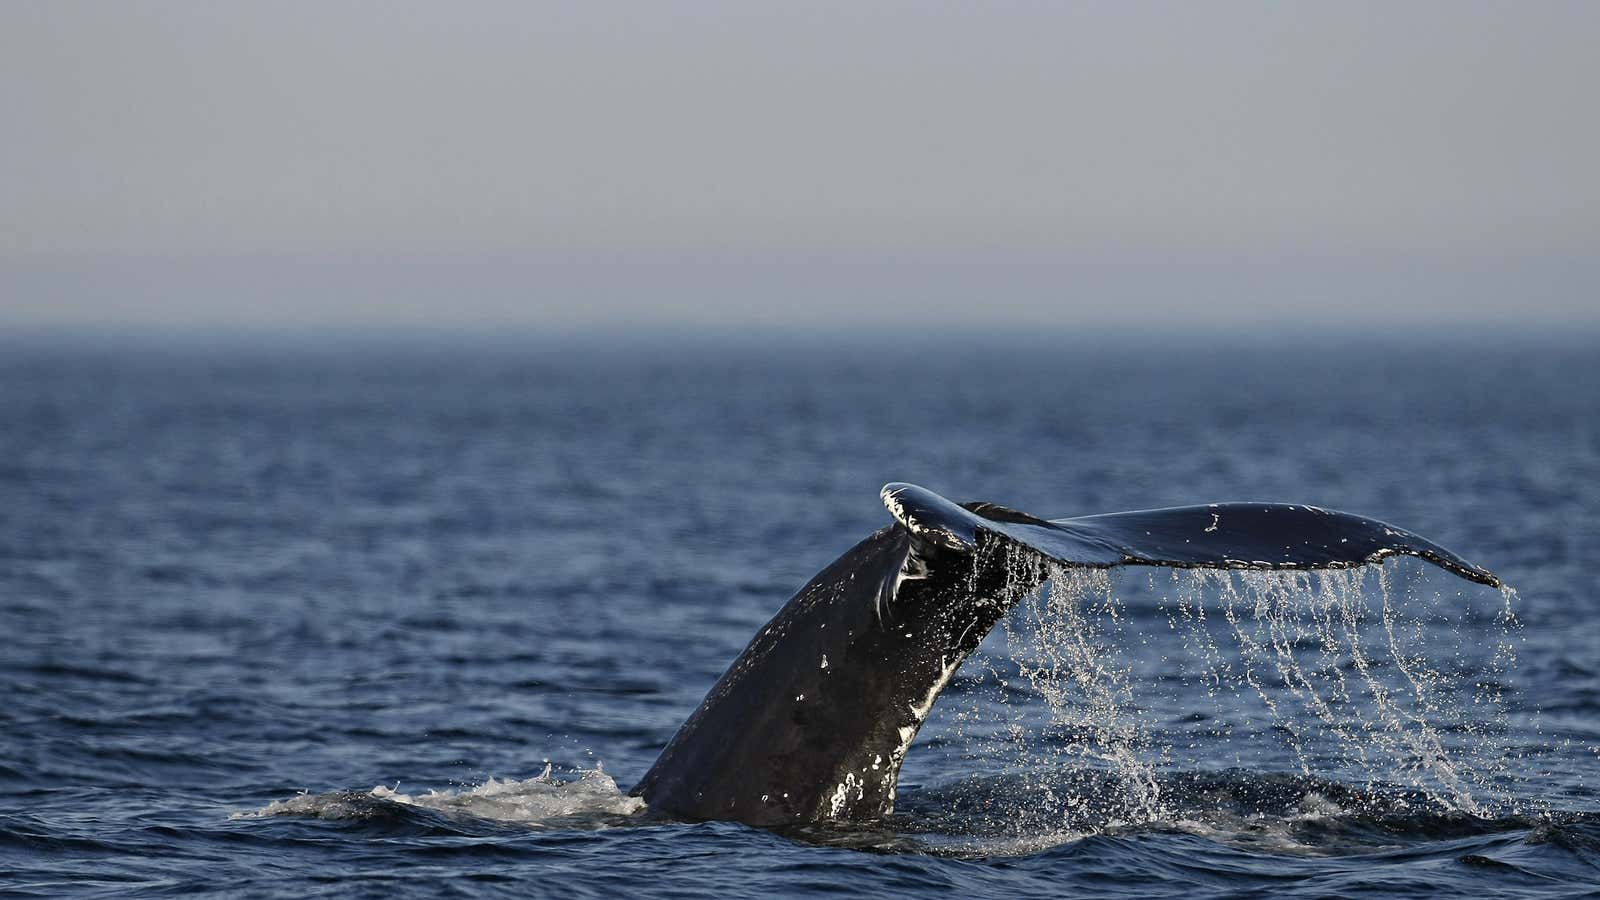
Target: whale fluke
pixel 812 721
pixel 1211 536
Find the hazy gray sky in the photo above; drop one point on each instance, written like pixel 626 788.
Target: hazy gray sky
pixel 1011 163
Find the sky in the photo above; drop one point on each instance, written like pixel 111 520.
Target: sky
pixel 546 165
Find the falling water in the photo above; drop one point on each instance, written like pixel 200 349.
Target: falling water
pixel 1372 678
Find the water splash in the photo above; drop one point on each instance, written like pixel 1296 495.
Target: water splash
pixel 1362 675
pixel 1069 658
pixel 592 798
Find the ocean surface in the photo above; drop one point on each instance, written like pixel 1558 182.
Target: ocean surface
pixel 386 617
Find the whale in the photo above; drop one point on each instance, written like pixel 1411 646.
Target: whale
pixel 810 724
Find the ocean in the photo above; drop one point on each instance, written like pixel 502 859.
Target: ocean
pixel 403 615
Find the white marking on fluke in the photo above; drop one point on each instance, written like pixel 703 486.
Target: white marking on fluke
pixel 921 712
pixel 841 794
pixel 928 532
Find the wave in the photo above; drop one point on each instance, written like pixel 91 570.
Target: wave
pixel 1282 814
pixel 1010 815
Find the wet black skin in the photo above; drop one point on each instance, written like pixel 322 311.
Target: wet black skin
pixel 781 739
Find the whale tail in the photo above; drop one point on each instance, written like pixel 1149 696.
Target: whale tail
pixel 813 719
pixel 1211 536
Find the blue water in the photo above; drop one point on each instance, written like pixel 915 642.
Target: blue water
pixel 243 585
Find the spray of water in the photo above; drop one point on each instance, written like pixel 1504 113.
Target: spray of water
pixel 1362 677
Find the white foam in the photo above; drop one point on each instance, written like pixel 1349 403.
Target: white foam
pixel 593 795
